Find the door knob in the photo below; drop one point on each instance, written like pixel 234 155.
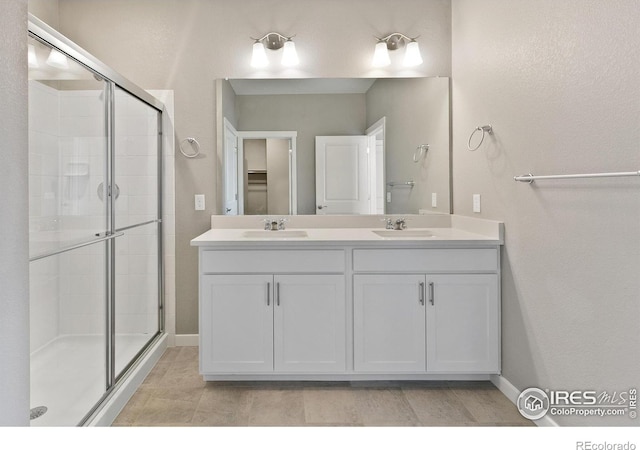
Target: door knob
pixel 228 209
pixel 322 206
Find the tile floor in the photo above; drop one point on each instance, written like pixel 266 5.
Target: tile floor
pixel 174 394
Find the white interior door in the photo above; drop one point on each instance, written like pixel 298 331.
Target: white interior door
pixel 342 175
pixel 230 169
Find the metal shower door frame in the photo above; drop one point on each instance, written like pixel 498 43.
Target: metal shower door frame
pixel 50 37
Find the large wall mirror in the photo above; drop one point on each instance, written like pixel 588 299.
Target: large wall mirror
pixel 335 146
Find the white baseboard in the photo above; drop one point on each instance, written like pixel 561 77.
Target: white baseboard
pixel 512 393
pixel 187 340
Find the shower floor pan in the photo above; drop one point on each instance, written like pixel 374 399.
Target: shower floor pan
pixel 68 375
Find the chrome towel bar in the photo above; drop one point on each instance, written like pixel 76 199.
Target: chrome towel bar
pixel 409 183
pixel 530 178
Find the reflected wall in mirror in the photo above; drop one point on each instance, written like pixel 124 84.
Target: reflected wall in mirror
pixel 404 124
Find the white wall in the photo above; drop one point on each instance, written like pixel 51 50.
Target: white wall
pixel 559 83
pixel 14 266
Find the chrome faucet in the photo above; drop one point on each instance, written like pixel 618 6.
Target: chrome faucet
pixel 274 225
pixel 270 225
pixel 400 224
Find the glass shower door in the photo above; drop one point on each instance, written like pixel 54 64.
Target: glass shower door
pixel 137 210
pixel 68 240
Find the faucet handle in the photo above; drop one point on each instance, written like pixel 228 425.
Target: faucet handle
pixel 281 222
pixel 389 222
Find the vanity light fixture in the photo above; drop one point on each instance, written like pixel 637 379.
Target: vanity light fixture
pixel 274 41
pixel 394 41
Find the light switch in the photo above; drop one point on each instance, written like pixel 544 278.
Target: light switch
pixel 388 197
pixel 199 202
pixel 434 200
pixel 476 203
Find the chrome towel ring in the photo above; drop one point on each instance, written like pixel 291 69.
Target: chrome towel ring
pixel 485 129
pixel 194 144
pixel 420 152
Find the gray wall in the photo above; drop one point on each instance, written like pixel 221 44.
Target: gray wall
pixel 559 83
pixel 308 115
pixel 46 10
pixel 185 45
pixel 417 112
pixel 14 220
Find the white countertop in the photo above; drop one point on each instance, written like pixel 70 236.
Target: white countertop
pixel 344 235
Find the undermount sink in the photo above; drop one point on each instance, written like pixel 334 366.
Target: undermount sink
pixel 399 234
pixel 280 234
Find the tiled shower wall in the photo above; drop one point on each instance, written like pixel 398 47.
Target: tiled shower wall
pixel 44 127
pixel 66 165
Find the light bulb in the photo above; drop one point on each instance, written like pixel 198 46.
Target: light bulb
pixel 259 56
pixel 381 55
pixel 289 54
pixel 412 55
pixel 33 60
pixel 57 59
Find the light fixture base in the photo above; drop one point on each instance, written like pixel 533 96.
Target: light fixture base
pixel 273 40
pixel 395 42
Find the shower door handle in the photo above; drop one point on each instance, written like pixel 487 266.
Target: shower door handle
pixel 101 191
pixel 106 237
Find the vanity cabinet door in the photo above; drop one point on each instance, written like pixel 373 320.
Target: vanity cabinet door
pixel 236 323
pixel 389 323
pixel 309 323
pixel 463 323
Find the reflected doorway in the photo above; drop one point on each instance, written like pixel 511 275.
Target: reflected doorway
pixel 266 173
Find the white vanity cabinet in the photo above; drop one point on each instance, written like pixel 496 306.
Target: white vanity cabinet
pixel 442 322
pixel 236 323
pixel 463 323
pixel 272 322
pixel 389 323
pixel 352 308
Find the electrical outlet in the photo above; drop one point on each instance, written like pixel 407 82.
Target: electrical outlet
pixel 199 201
pixel 434 200
pixel 476 203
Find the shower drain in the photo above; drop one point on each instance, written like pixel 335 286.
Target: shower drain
pixel 37 412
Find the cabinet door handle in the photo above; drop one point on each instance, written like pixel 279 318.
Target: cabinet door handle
pixel 278 294
pixel 268 293
pixel 421 293
pixel 431 293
